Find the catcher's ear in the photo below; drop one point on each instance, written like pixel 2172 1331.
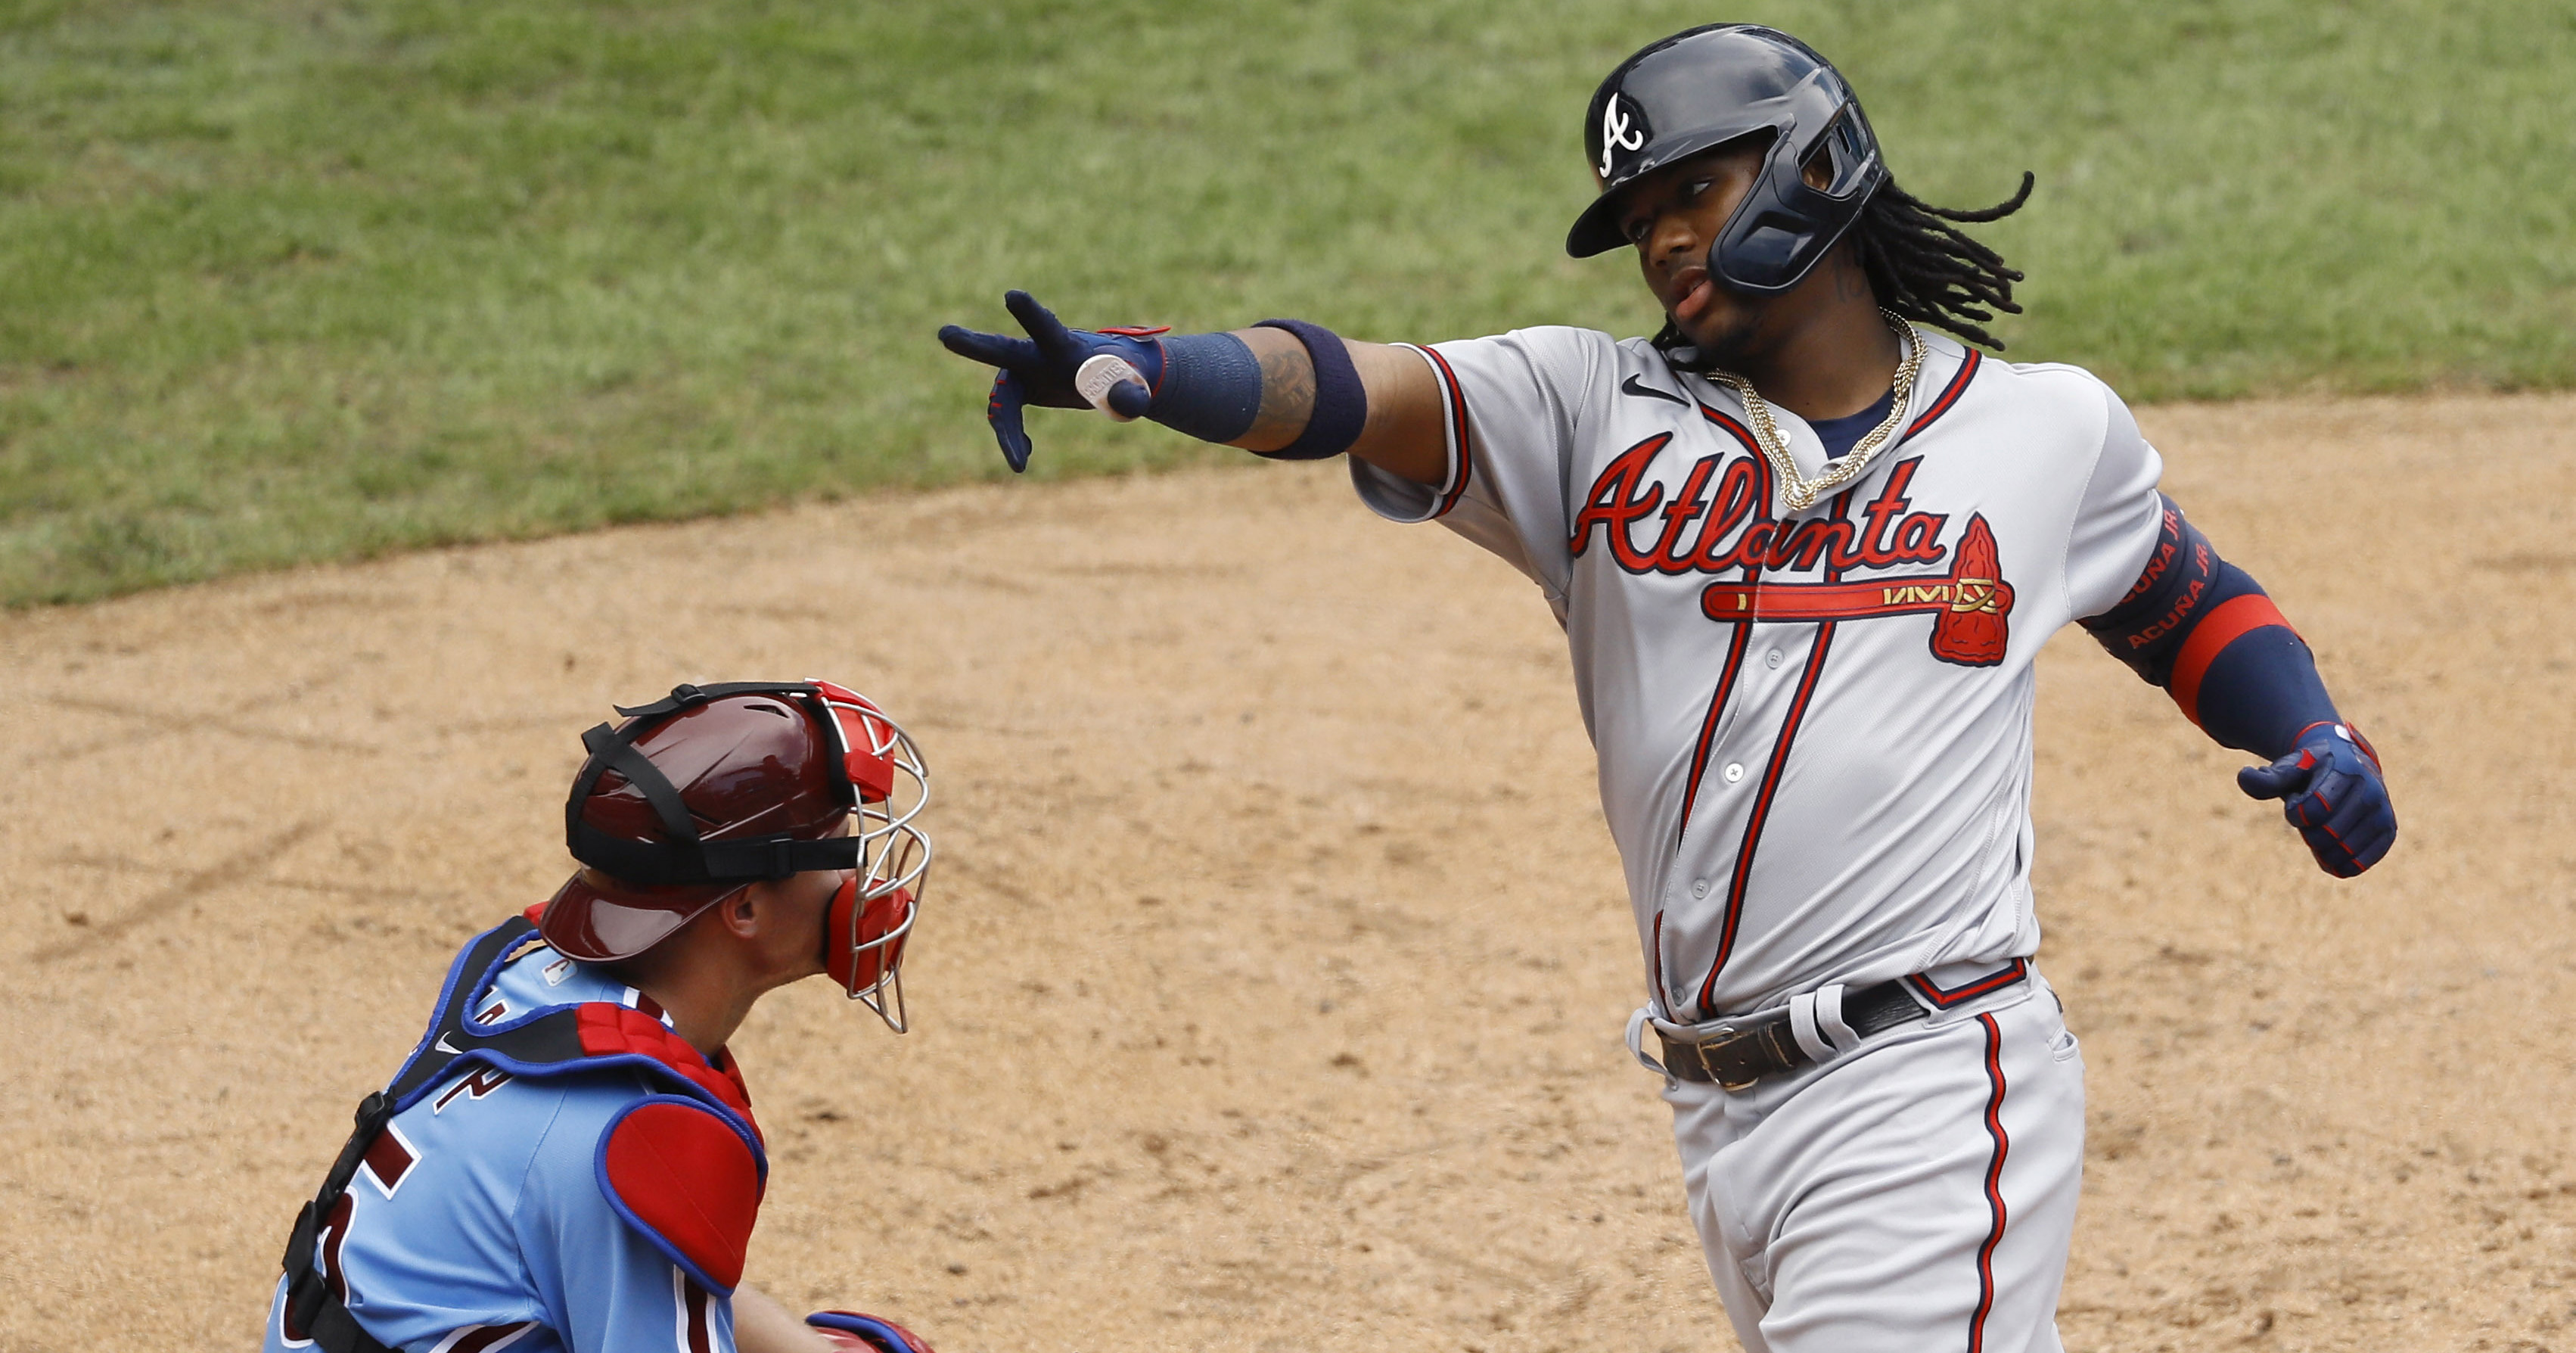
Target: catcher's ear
pixel 743 911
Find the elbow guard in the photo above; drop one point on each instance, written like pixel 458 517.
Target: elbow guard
pixel 2203 629
pixel 2145 629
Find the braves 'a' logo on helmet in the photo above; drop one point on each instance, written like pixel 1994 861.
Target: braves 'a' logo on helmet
pixel 1623 127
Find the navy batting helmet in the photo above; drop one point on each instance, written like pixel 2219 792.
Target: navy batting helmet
pixel 1705 87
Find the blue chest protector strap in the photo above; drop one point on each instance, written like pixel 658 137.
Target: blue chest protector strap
pixel 314 1305
pixel 555 1040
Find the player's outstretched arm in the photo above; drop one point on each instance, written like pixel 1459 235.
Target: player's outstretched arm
pixel 1282 388
pixel 2204 630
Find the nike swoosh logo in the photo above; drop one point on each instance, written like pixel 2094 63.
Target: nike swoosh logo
pixel 1631 387
pixel 443 1045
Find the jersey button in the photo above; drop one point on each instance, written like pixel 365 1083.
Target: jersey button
pixel 1734 771
pixel 1699 888
pixel 1773 660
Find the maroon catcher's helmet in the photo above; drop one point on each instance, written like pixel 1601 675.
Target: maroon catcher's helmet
pixel 697 796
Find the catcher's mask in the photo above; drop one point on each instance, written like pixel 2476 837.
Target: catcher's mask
pixel 1700 89
pixel 696 796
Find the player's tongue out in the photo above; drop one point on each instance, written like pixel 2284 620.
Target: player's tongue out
pixel 1696 293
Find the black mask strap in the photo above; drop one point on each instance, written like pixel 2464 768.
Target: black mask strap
pixel 686 858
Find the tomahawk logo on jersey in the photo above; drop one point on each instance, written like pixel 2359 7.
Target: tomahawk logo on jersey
pixel 1813 726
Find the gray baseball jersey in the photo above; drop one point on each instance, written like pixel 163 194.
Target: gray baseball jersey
pixel 1813 727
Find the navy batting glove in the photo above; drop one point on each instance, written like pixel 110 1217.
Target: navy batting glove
pixel 1039 369
pixel 2332 790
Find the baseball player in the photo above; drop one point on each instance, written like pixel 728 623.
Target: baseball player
pixel 1806 544
pixel 568 1160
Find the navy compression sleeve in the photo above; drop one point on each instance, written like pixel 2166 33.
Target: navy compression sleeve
pixel 2203 629
pixel 1211 387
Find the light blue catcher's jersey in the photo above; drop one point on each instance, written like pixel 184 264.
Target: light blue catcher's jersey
pixel 480 1221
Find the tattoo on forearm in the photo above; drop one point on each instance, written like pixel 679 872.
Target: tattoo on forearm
pixel 1287 397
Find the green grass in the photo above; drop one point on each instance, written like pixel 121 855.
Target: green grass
pixel 288 281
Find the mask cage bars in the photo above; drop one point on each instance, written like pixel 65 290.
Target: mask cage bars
pixel 894 853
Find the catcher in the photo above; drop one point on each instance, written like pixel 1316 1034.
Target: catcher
pixel 568 1160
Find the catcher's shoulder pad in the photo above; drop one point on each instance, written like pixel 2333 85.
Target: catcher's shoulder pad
pixel 689 1179
pixel 613 1032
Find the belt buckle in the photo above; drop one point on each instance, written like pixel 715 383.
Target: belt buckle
pixel 1731 1034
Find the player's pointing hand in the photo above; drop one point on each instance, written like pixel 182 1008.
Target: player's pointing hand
pixel 2331 789
pixel 1114 370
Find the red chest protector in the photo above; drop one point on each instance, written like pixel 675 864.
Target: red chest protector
pixel 684 1164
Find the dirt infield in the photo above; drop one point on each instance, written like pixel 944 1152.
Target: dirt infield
pixel 1270 990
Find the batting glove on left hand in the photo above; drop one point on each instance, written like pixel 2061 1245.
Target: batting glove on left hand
pixel 1040 369
pixel 2332 790
pixel 865 1333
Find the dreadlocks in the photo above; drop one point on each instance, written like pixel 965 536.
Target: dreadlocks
pixel 1919 265
pixel 1924 268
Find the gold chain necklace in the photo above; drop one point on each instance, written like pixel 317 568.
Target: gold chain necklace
pixel 1797 491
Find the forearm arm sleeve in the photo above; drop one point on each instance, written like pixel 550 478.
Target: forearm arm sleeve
pixel 2203 629
pixel 1211 387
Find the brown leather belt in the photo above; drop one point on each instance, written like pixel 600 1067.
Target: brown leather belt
pixel 1739 1052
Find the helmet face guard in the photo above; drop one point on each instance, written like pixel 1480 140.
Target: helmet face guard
pixel 1698 90
pixel 872 913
